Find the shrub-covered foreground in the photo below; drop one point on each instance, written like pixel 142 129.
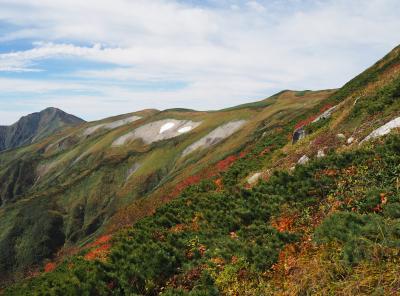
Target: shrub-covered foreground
pixel 341 212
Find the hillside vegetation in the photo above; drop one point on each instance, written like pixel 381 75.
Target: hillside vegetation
pixel 253 212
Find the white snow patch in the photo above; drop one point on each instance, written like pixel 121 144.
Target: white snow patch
pixel 383 130
pixel 110 125
pixel 155 131
pixel 166 127
pixel 216 136
pixel 184 129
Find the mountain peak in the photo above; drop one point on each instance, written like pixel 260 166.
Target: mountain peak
pixel 35 126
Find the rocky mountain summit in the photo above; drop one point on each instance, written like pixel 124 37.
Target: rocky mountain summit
pixel 35 126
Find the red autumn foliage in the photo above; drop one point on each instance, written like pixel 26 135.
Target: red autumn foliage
pixel 305 122
pixel 102 240
pixel 284 223
pixel 192 180
pixel 202 250
pixel 101 248
pixel 311 118
pixel 265 151
pixel 242 154
pixel 226 163
pixel 98 253
pixel 221 166
pixel 49 267
pixel 383 201
pixel 178 228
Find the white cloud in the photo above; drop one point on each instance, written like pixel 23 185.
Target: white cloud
pixel 255 6
pixel 227 55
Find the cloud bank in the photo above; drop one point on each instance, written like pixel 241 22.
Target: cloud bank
pixel 100 58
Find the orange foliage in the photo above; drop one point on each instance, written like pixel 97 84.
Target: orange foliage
pixel 202 250
pixel 220 262
pixel 192 180
pixel 50 267
pixel 178 228
pixel 226 163
pixel 233 235
pixel 218 182
pixel 286 260
pixel 101 248
pixel 221 166
pixel 383 201
pixel 265 151
pixel 103 239
pixel 99 253
pixel 283 224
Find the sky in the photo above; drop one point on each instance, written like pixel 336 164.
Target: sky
pixel 98 58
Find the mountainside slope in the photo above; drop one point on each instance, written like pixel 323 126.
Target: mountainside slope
pixel 294 195
pixel 34 127
pixel 101 176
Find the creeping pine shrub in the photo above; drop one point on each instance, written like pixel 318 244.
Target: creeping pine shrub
pixel 363 237
pixel 379 101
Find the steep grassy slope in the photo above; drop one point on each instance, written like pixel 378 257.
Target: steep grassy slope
pixel 87 181
pixel 328 225
pixel 34 127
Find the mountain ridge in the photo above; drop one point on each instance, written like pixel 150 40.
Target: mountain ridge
pixel 35 126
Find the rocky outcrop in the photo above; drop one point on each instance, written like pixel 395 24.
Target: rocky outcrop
pixel 253 179
pixel 303 160
pixel 327 114
pixel 383 130
pixel 320 153
pixel 299 134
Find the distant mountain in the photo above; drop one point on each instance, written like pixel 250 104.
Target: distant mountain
pixel 34 127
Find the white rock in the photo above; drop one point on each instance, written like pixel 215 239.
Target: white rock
pixel 383 130
pixel 350 140
pixel 303 160
pixel 325 115
pixel 341 136
pixel 254 178
pixel 321 153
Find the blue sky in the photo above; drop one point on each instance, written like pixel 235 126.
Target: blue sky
pixel 98 58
